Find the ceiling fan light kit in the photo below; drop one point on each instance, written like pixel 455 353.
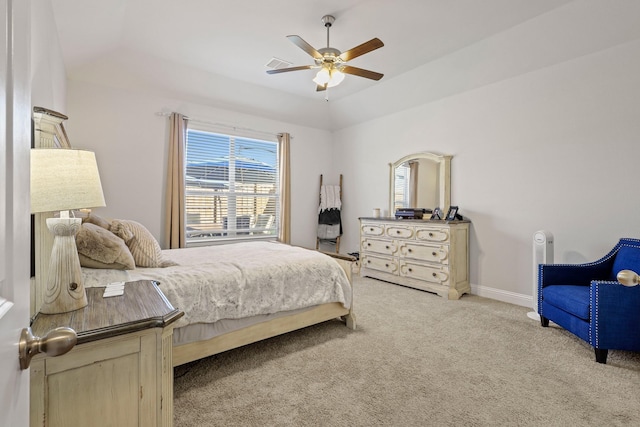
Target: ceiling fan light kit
pixel 331 62
pixel 327 77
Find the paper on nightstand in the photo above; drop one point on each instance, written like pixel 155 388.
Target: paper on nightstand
pixel 113 290
pixel 113 294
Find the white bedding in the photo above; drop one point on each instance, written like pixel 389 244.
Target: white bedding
pixel 239 280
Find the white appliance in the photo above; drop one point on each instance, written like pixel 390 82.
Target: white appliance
pixel 542 254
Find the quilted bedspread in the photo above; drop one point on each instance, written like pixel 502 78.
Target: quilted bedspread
pixel 239 280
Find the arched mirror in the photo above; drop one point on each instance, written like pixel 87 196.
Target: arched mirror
pixel 420 180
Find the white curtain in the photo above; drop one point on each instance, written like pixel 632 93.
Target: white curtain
pixel 175 199
pixel 284 233
pixel 413 186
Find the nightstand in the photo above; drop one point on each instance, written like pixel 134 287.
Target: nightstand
pixel 120 373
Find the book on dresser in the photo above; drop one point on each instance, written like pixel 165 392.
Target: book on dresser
pixel 428 255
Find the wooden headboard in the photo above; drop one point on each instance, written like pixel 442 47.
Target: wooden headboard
pixel 48 132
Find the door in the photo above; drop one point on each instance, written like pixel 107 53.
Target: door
pixel 15 136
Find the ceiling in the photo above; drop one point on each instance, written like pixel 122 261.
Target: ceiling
pixel 234 40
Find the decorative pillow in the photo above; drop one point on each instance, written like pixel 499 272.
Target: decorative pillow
pixel 100 248
pixel 144 247
pixel 97 220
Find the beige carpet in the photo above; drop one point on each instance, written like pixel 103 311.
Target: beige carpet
pixel 415 360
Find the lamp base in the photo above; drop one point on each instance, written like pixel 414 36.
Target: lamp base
pixel 65 286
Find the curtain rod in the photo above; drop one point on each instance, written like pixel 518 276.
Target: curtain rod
pixel 206 122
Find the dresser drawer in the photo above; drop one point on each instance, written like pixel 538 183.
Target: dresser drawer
pixel 428 273
pixel 400 231
pixel 379 263
pixel 386 247
pixel 430 253
pixel 372 229
pixel 432 234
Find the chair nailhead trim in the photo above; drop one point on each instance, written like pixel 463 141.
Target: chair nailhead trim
pixel 595 320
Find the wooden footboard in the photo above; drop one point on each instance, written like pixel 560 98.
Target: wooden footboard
pixel 197 350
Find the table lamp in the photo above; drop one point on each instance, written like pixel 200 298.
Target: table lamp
pixel 63 180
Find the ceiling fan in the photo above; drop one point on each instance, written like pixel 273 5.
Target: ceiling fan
pixel 331 62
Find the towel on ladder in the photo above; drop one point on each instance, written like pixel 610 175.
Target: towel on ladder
pixel 329 231
pixel 329 197
pixel 329 220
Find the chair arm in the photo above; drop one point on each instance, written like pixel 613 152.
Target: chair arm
pixel 572 274
pixel 615 316
pixel 628 278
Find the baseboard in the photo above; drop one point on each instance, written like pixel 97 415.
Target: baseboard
pixel 501 295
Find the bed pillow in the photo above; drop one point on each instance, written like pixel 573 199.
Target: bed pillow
pixel 100 248
pixel 97 220
pixel 144 247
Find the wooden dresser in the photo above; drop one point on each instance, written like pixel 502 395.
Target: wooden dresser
pixel 428 255
pixel 120 372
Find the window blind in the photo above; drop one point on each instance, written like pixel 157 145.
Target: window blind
pixel 231 187
pixel 401 190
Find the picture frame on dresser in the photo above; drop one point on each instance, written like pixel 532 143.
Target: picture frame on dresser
pixel 452 213
pixel 437 214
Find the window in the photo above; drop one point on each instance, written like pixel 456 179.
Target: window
pixel 401 190
pixel 232 187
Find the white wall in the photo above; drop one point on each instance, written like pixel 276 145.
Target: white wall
pixel 541 120
pixel 48 78
pixel 553 149
pixel 131 145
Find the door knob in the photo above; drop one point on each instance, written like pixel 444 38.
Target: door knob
pixel 55 343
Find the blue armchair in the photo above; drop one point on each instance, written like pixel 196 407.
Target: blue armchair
pixel 588 301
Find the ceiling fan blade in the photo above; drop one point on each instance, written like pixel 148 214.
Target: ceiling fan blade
pixel 297 40
pixel 365 47
pixel 362 73
pixel 284 70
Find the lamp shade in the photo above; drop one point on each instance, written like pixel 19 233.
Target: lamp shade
pixel 63 179
pixel 323 77
pixel 337 77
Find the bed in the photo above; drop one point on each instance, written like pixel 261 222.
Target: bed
pixel 239 293
pixel 264 288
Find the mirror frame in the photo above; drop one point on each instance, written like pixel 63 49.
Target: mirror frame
pixel 444 163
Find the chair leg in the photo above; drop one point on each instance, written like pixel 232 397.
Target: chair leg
pixel 601 355
pixel 544 321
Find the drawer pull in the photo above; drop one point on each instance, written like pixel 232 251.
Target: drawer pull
pixel 368 244
pixel 409 250
pixel 386 247
pixel 397 231
pixel 368 261
pixel 430 234
pixel 410 270
pixel 433 253
pixel 371 229
pixel 386 265
pixel 434 274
